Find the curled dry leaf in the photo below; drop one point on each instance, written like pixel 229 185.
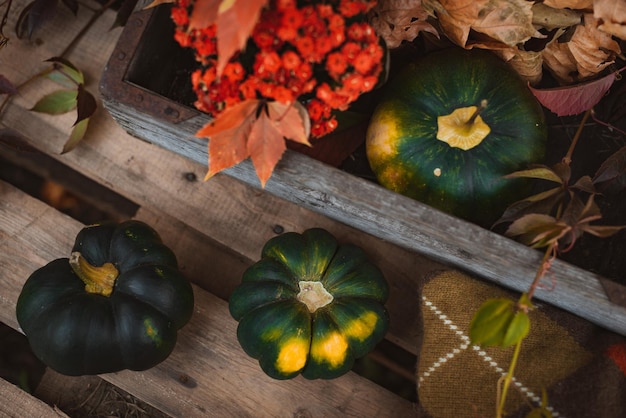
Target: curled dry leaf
pixel 571 4
pixel 552 18
pixel 587 53
pixel 612 15
pixel 399 20
pixel 506 21
pixel 528 64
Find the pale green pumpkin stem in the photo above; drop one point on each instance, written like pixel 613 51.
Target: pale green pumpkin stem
pixel 313 295
pixel 97 279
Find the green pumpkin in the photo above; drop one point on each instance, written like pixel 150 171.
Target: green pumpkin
pixel 310 306
pixel 117 303
pixel 449 127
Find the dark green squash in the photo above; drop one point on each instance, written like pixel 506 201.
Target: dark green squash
pixel 310 306
pixel 450 126
pixel 116 304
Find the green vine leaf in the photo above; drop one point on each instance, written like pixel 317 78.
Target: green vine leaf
pixel 500 322
pixel 78 133
pixel 65 73
pixel 59 102
pixel 490 323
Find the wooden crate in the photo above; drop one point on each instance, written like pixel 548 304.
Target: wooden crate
pixel 348 199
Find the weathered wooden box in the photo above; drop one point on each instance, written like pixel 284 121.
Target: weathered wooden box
pixel 143 109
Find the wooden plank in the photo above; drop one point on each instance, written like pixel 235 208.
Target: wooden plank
pixel 208 372
pixel 15 403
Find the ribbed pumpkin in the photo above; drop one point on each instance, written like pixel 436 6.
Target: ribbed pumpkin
pixel 310 306
pixel 117 303
pixel 449 126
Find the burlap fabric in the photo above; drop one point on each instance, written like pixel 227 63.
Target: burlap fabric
pixel 582 367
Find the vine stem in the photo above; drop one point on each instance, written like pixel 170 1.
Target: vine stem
pixel 546 262
pixel 568 157
pixel 508 379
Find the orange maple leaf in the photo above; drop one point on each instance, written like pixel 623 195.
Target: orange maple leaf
pixel 228 135
pixel 204 13
pixel 235 21
pixel 256 129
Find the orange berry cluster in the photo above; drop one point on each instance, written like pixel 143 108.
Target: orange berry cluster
pixel 323 54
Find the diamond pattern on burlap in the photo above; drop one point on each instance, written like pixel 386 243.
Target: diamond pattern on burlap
pixel 456 379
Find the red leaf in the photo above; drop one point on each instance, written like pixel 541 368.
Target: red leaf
pixel 235 23
pixel 572 100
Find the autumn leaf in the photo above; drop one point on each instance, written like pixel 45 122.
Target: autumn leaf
pixel 612 170
pixel 506 21
pixel 399 20
pixel 255 129
pixel 228 135
pixel 612 15
pixel 575 99
pixel 235 20
pixel 588 52
pixel 571 4
pixel 204 13
pixel 265 145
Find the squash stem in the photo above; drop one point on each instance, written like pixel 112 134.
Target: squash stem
pixel 483 105
pixel 97 279
pixel 313 295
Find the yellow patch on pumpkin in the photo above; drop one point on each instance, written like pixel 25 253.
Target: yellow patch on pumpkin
pixel 463 128
pixel 381 137
pixel 292 356
pixel 331 350
pixel 362 327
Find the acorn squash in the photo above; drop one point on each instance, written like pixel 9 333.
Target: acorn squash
pixel 310 306
pixel 449 127
pixel 116 303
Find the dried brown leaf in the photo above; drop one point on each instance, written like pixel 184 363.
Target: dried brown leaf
pixel 528 64
pixel 571 4
pixel 506 21
pixel 552 18
pixel 612 14
pixel 587 53
pixel 400 20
